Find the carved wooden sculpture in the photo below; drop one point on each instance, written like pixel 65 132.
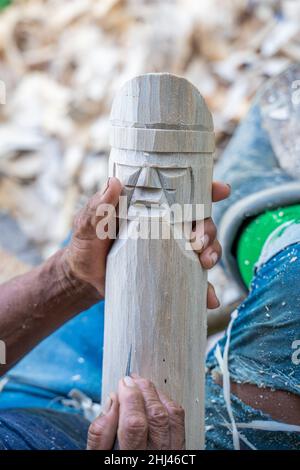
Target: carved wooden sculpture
pixel 162 150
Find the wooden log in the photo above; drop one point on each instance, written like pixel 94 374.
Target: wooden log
pixel 162 151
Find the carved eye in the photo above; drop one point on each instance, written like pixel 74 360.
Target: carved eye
pixel 127 174
pixel 172 172
pixel 172 177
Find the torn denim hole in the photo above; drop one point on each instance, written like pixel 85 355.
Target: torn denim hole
pixel 268 425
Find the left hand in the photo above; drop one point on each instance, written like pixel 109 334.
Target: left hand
pixel 86 254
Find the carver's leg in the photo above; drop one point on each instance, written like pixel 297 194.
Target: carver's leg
pixel 251 167
pixel 253 379
pixel 264 350
pixel 70 358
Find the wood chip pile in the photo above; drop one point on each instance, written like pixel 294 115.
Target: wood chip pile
pixel 61 63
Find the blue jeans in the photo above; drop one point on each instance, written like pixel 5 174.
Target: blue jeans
pixel 38 429
pixel 70 358
pixel 261 352
pixel 264 349
pixel 36 409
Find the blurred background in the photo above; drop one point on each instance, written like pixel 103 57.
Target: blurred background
pixel 61 63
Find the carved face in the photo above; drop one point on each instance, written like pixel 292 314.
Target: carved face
pixel 155 187
pixel 155 181
pixel 151 184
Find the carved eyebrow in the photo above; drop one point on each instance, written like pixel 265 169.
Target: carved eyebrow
pixel 128 165
pixel 168 168
pixel 159 168
pixel 173 172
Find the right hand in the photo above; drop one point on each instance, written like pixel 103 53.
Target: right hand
pixel 141 417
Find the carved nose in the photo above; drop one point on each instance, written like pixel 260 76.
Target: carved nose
pixel 148 178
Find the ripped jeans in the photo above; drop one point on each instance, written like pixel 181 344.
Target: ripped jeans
pixel 261 347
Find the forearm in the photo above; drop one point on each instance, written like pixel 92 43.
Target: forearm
pixel 34 305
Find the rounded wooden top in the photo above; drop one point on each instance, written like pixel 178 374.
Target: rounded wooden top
pixel 161 112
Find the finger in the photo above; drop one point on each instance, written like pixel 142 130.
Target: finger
pixel 102 432
pixel 220 191
pixel 105 215
pixel 133 426
pixel 110 194
pixel 157 415
pixel 212 299
pixel 203 234
pixel 176 422
pixel 211 255
pixel 87 219
pixel 109 198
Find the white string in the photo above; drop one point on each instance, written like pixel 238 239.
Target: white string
pixel 263 425
pixel 248 443
pixel 223 363
pixel 241 436
pixel 269 426
pixel 90 409
pixel 79 401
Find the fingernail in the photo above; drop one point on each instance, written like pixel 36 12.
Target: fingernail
pixel 200 243
pixel 105 188
pixel 214 258
pixel 216 301
pixel 193 236
pixel 107 406
pixel 129 381
pixel 205 241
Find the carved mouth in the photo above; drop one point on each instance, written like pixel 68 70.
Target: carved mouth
pixel 146 203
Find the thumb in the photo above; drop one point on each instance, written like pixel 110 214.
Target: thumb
pixel 102 432
pixel 87 218
pixel 106 217
pixel 110 195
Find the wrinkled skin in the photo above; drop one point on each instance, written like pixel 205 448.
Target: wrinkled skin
pixel 142 418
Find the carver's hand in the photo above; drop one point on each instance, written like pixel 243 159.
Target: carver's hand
pixel 204 241
pixel 141 417
pixel 86 253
